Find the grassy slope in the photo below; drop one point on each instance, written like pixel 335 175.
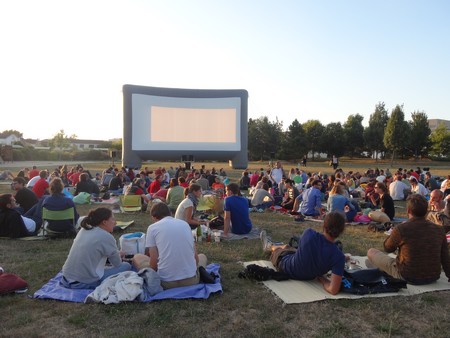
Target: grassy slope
pixel 245 308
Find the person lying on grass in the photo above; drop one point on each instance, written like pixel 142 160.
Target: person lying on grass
pixel 316 254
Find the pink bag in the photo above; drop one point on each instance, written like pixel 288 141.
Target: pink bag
pixel 362 219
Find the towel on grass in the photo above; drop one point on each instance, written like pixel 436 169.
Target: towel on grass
pixel 54 290
pixel 296 291
pixel 253 234
pixel 112 200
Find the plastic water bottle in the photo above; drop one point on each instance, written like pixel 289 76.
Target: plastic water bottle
pixel 199 233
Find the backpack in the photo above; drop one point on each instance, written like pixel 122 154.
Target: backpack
pixel 106 178
pixel 260 273
pixel 370 281
pixel 216 223
pixel 10 283
pixel 82 198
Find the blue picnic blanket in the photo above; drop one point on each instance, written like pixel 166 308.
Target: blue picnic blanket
pixel 55 290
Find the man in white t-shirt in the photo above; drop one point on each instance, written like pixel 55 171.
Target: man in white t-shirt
pixel 397 189
pixel 170 250
pixel 277 173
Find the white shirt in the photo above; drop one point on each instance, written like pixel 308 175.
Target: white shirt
pixel 277 174
pixel 175 243
pixel 180 213
pixel 33 181
pixel 419 189
pixel 396 190
pixel 443 185
pixel 29 224
pixel 381 178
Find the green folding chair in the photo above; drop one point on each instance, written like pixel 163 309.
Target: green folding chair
pixel 57 215
pixel 130 203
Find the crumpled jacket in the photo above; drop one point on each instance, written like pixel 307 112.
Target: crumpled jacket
pixel 126 286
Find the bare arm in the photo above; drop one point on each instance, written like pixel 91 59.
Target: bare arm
pixel 392 242
pixel 332 286
pixel 195 255
pixel 154 255
pixel 226 223
pixel 188 213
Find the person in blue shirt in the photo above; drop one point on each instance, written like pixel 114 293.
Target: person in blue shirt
pixel 317 253
pixel 236 215
pixel 337 201
pixel 310 201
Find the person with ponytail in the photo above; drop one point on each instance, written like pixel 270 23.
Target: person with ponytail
pixel 92 247
pixel 187 208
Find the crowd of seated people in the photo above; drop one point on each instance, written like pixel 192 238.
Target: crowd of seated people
pixel 179 192
pixel 297 191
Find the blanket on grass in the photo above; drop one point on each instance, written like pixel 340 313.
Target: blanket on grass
pixel 253 234
pixel 54 290
pixel 295 292
pixel 395 220
pixel 111 201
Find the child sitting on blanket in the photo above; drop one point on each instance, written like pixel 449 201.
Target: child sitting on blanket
pixel 316 254
pixel 85 266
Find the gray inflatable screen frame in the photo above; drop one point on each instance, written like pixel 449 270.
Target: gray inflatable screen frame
pixel 141 104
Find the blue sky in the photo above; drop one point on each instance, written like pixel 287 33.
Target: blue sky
pixel 63 63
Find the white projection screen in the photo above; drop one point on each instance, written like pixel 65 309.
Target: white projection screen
pixel 172 124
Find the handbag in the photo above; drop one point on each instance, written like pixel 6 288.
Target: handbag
pixel 133 243
pixel 10 283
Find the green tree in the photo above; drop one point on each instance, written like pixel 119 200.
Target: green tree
pixel 440 141
pixel 396 132
pixel 11 131
pixel 314 131
pixel 332 135
pixel 293 142
pixel 61 141
pixel 263 137
pixel 354 134
pixel 419 141
pixel 374 133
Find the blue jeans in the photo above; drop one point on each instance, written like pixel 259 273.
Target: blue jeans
pixel 350 215
pixel 116 192
pixel 124 266
pixel 264 205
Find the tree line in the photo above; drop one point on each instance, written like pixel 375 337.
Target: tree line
pixel 386 135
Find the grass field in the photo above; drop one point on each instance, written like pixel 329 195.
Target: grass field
pixel 245 309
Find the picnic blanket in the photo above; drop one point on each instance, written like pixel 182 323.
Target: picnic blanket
pixel 395 220
pixel 253 234
pixel 111 201
pixel 122 225
pixel 295 292
pixel 54 290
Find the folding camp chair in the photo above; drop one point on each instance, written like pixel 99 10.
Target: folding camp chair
pixel 130 203
pixel 57 215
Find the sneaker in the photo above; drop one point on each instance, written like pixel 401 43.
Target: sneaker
pixel 299 218
pixel 206 277
pixel 260 210
pixel 266 241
